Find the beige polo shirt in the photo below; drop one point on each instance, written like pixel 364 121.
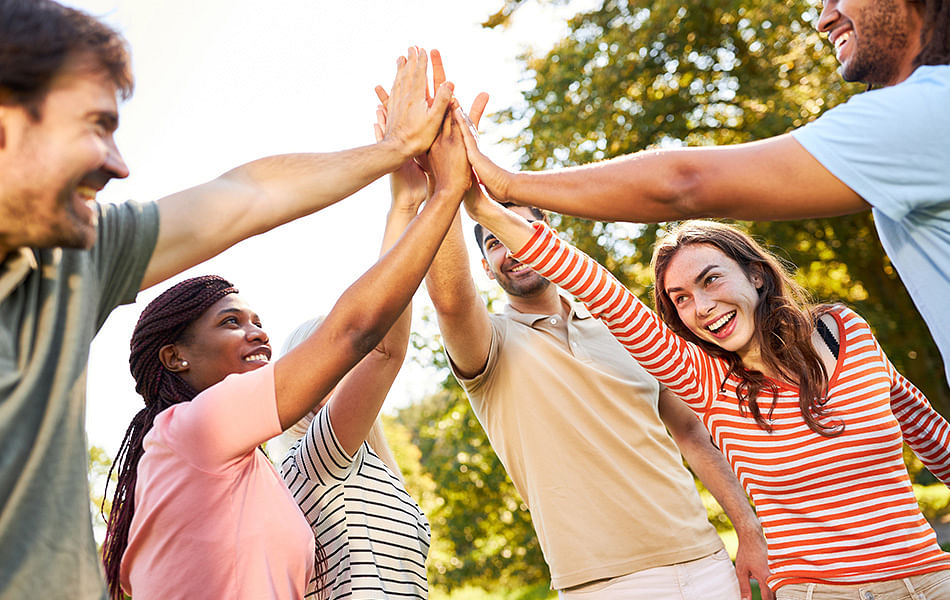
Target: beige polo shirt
pixel 574 420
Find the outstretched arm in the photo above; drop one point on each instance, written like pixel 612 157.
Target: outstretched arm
pixel 712 469
pixel 773 179
pixel 369 307
pixel 357 399
pixel 200 222
pixel 924 429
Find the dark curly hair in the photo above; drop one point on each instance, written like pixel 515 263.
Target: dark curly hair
pixel 784 321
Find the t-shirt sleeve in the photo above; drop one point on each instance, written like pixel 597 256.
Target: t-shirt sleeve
pixel 888 145
pixel 318 455
pixel 222 424
pixel 127 235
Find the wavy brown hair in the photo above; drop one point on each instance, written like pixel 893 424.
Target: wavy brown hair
pixel 784 321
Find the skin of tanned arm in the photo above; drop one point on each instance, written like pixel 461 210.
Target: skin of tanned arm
pixel 357 400
pixel 712 469
pixel 773 179
pixel 369 307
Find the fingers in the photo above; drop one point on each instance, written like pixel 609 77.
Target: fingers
pixel 478 108
pixel 466 127
pixel 381 94
pixel 745 589
pixel 438 69
pixel 378 131
pixel 442 98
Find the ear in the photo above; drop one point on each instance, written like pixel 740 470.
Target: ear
pixel 487 270
pixel 170 357
pixel 757 276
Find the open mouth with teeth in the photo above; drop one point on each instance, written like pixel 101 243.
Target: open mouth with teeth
pixel 519 268
pixel 840 41
pixel 257 357
pixel 719 324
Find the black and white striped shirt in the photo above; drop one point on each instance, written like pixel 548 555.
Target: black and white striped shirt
pixel 373 533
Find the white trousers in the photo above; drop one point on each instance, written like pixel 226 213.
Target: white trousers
pixel 709 578
pixel 932 586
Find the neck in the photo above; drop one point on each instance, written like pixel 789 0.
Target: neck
pixel 548 302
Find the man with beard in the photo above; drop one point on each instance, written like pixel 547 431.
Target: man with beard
pixel 885 150
pixel 67 261
pixel 581 429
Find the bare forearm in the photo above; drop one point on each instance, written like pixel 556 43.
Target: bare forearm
pixel 449 280
pixel 712 469
pixel 377 298
pixel 200 222
pixel 774 179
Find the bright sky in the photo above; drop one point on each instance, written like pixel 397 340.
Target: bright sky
pixel 222 82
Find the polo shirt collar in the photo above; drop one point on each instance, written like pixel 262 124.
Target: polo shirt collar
pixel 15 268
pixel 578 311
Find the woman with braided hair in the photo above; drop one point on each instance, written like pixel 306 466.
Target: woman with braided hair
pixel 198 511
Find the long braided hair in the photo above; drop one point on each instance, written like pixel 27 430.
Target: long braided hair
pixel 784 321
pixel 163 322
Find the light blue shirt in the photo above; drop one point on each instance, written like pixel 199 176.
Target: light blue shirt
pixel 892 147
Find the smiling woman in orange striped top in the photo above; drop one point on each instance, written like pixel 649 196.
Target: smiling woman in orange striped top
pixel 802 401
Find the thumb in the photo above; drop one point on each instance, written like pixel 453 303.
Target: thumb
pixel 442 99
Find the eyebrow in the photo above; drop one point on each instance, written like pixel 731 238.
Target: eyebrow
pixel 696 280
pixel 109 118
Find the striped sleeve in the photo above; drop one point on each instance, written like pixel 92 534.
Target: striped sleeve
pixel 681 366
pixel 924 429
pixel 318 455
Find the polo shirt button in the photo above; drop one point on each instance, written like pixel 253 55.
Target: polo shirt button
pixel 553 321
pixel 868 595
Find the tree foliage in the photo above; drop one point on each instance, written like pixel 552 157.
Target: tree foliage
pixel 631 76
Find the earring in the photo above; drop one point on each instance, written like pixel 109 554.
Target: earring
pixel 184 363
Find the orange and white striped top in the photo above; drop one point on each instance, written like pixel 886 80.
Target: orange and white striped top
pixel 837 510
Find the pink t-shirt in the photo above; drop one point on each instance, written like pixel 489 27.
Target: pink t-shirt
pixel 213 519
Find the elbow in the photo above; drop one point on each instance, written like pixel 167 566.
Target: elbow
pixel 690 191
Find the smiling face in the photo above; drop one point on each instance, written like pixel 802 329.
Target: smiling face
pixel 715 298
pixel 227 338
pixel 875 41
pixel 52 168
pixel 515 278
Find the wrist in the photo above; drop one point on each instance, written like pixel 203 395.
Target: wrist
pixel 398 149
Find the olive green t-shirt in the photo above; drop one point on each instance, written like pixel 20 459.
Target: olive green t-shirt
pixel 52 303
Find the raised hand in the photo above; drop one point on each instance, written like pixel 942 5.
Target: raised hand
pixel 495 179
pixel 448 162
pixel 407 183
pixel 412 122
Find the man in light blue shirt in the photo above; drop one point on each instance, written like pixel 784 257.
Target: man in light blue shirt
pixel 887 150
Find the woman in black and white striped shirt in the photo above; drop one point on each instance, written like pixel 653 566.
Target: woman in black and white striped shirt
pixel 373 535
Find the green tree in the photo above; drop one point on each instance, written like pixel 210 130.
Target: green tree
pixel 630 76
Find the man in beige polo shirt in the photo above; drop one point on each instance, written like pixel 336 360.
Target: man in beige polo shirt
pixel 581 429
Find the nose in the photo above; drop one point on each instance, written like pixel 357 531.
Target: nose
pixel 704 304
pixel 257 334
pixel 829 14
pixel 115 165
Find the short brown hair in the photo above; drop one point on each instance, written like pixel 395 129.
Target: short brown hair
pixel 37 37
